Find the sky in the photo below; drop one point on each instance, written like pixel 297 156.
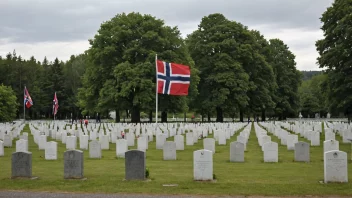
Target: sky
pixel 61 28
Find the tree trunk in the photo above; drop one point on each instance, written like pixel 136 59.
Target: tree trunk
pixel 150 116
pixel 185 117
pixel 117 119
pixel 135 114
pixel 163 116
pixel 219 116
pixel 209 119
pixel 263 115
pixel 127 115
pixel 202 118
pixel 241 115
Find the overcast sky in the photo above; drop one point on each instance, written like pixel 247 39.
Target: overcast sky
pixel 60 28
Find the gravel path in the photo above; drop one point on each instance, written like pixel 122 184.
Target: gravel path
pixel 20 194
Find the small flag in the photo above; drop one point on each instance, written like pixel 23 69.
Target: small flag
pixel 55 104
pixel 27 98
pixel 173 78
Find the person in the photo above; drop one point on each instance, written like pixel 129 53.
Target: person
pixel 123 134
pixel 86 122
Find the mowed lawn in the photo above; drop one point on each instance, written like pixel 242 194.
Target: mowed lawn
pixel 254 177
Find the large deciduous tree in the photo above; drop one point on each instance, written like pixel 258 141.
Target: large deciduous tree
pixel 8 104
pixel 288 79
pixel 313 96
pixel 255 58
pixel 335 52
pixel 122 75
pixel 215 47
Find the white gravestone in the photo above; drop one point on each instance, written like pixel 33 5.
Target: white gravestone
pixel 169 150
pixel 94 149
pixel 209 144
pixel 130 139
pixel 271 152
pixel 243 140
pixel 71 142
pixel 160 140
pixel 7 141
pixel 329 136
pixel 142 143
pixel 315 138
pixel 335 167
pixel 180 142
pixel 222 138
pixel 302 152
pixel 189 139
pixel 83 142
pixel 121 148
pixel 51 150
pixel 202 165
pixel 2 148
pixel 21 146
pixel 330 145
pixel 236 152
pixel 104 141
pixel 42 142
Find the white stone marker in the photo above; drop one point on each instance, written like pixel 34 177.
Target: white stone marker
pixel 202 165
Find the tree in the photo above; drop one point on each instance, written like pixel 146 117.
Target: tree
pixel 313 96
pixel 256 62
pixel 288 79
pixel 73 71
pixel 335 55
pixel 123 57
pixel 58 86
pixel 214 47
pixel 8 104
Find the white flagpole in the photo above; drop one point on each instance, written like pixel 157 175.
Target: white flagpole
pixel 156 90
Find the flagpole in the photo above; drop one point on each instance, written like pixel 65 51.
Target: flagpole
pixel 54 107
pixel 24 104
pixel 156 90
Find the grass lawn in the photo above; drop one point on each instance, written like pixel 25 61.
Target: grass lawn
pixel 254 177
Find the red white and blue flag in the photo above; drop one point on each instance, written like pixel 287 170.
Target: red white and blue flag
pixel 55 104
pixel 173 78
pixel 27 98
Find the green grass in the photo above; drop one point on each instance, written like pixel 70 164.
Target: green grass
pixel 253 177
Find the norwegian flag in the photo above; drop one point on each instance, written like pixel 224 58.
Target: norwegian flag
pixel 27 98
pixel 173 78
pixel 55 104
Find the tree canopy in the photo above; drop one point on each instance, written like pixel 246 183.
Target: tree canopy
pixel 122 73
pixel 235 72
pixel 335 55
pixel 8 104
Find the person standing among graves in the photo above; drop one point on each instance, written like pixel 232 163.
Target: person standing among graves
pixel 86 122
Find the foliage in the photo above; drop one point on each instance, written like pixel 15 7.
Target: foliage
pixel 313 96
pixel 123 70
pixel 147 173
pixel 8 104
pixel 288 79
pixel 42 81
pixel 335 55
pixel 307 75
pixel 214 48
pixel 233 70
